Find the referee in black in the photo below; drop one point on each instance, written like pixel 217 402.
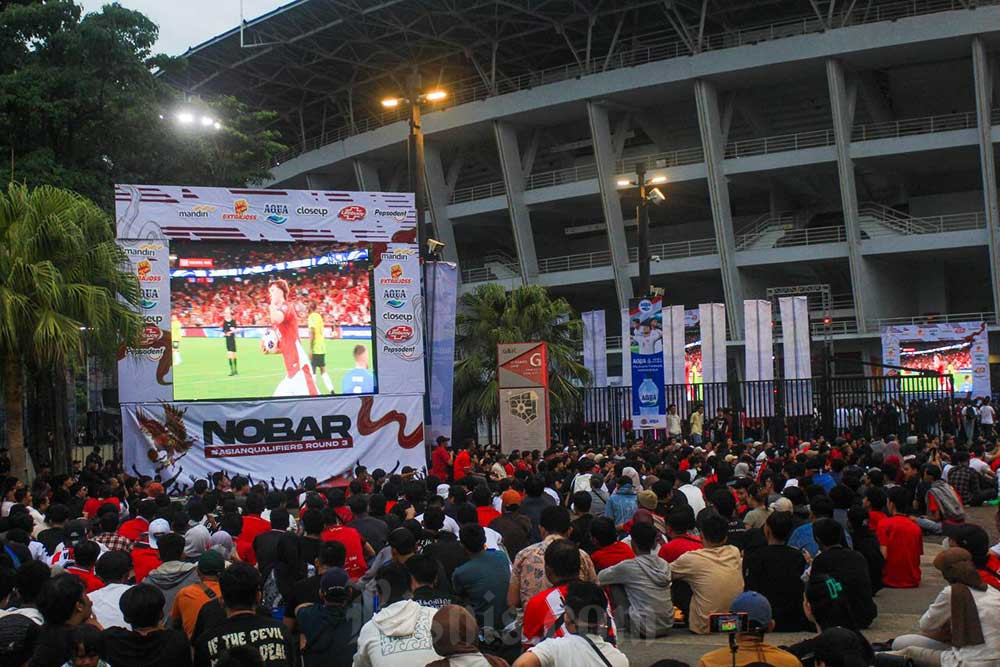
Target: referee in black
pixel 229 332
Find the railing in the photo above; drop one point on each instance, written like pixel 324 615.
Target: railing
pixel 762 225
pixel 875 325
pixel 587 260
pixel 600 258
pixel 955 222
pixel 914 126
pixel 675 249
pixel 800 237
pixel 475 192
pixel 478 274
pixel 660 48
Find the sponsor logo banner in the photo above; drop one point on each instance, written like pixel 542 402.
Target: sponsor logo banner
pixel 278 439
pixel 649 408
pixel 144 371
pixel 399 338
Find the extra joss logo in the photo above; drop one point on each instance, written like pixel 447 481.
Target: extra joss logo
pixel 241 211
pixel 144 271
pixel 395 276
pixel 276 213
pixel 352 213
pixel 399 333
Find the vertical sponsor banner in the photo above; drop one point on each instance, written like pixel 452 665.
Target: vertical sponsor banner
pixel 269 441
pixel 595 347
pixel 957 349
pixel 398 321
pixel 523 381
pixel 712 321
pixel 442 293
pixel 674 376
pixel 759 393
pixel 649 409
pixel 795 342
pixel 150 262
pixel 627 347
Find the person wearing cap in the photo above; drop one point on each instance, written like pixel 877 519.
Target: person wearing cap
pixel 76 532
pixel 750 645
pixel 190 599
pixel 441 459
pixel 514 527
pixel 145 556
pixel 134 528
pixel 325 637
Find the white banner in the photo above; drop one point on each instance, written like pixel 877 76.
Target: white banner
pixel 674 375
pixel 795 343
pixel 712 320
pixel 399 345
pixel 273 440
pixel 442 292
pixel 197 213
pixel 595 347
pixel 626 348
pixel 145 372
pixel 958 349
pixel 758 397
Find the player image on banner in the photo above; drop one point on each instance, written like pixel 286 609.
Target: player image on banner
pixel 358 380
pixel 956 349
pixel 648 400
pixel 305 306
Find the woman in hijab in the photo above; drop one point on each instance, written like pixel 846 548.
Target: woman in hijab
pixel 455 636
pixel 222 542
pixel 633 476
pixel 959 629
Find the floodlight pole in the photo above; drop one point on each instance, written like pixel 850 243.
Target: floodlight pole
pixel 642 219
pixel 417 175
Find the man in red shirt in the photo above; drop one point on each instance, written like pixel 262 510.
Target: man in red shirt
pixel 901 541
pixel 463 461
pixel 441 459
pixel 355 546
pixel 679 523
pixel 84 558
pixel 253 526
pixel 875 501
pixel 134 528
pixel 482 498
pixel 609 550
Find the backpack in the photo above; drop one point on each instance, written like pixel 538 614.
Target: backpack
pixel 970 412
pixel 271 597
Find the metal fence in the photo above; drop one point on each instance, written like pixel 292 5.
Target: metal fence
pixel 775 409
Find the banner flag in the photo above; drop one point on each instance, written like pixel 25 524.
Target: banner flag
pixel 626 347
pixel 145 371
pixel 759 397
pixel 442 293
pixel 712 320
pixel 649 410
pixel 595 347
pixel 958 349
pixel 270 441
pixel 795 343
pixel 674 376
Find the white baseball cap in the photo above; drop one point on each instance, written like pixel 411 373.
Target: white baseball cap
pixel 157 527
pixel 443 490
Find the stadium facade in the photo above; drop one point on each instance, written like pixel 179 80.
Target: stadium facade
pixel 847 143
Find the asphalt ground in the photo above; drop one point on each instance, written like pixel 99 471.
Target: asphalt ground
pixel 899 611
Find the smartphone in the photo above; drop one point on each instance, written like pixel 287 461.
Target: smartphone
pixel 729 622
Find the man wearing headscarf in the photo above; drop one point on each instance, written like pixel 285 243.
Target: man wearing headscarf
pixel 456 636
pixel 959 629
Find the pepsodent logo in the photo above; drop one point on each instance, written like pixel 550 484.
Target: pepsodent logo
pixel 241 211
pixel 399 333
pixel 352 213
pixel 276 213
pixel 396 214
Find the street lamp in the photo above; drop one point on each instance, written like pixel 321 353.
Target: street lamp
pixel 190 118
pixel 647 195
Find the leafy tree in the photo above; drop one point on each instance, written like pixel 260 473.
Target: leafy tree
pixel 81 107
pixel 60 272
pixel 490 316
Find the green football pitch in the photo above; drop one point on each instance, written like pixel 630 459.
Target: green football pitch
pixel 204 369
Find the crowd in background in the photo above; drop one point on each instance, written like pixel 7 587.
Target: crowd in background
pixel 556 556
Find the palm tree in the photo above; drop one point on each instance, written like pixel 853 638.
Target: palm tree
pixel 489 316
pixel 61 276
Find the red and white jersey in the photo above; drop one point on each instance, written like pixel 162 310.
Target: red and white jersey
pixel 288 340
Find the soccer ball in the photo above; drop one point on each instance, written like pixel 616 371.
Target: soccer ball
pixel 269 341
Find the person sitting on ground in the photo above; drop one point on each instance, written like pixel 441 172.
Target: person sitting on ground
pixel 976 541
pixel 326 637
pixel 875 503
pixel 944 506
pixel 866 544
pixel 483 583
pixel 147 642
pixel 820 507
pixel 174 573
pixel 960 626
pixel 400 622
pixel 609 550
pixel 750 646
pixel 190 599
pixel 456 637
pixel 901 541
pixel 711 576
pixel 775 571
pixel 426 590
pixel 640 586
pixel 680 528
pixel 114 568
pixel 846 566
pixel 622 504
pixel 64 604
pixel 28 581
pixel 514 527
pixel 85 555
pixel 827 607
pixel 579 530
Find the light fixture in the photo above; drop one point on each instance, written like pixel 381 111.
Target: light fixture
pixel 655 196
pixel 185 117
pixel 658 179
pixel 207 121
pixel 434 247
pixel 217 125
pixel 390 102
pixel 435 95
pixel 624 182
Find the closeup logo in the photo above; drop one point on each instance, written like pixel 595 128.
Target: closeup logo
pixel 352 213
pixel 277 219
pixel 240 211
pixel 312 210
pixel 395 271
pixel 395 303
pixel 399 333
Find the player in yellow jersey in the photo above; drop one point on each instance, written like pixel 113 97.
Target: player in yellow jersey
pixel 317 345
pixel 176 332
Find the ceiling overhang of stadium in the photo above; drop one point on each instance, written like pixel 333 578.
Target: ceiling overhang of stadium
pixel 323 64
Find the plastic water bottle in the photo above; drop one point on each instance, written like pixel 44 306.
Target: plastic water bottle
pixel 649 398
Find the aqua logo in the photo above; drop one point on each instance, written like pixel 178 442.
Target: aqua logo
pixel 277 219
pixel 395 303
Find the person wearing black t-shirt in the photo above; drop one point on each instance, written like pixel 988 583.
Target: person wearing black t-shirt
pixel 306 591
pixel 148 642
pixel 775 571
pixel 229 333
pixel 240 587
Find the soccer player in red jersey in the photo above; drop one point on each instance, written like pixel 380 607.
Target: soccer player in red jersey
pixel 298 380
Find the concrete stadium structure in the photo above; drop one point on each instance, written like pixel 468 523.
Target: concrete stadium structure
pixel 849 143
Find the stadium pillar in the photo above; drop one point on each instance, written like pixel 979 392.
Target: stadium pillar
pixel 367 176
pixel 514 182
pixel 604 156
pixel 842 108
pixel 437 201
pixel 709 123
pixel 982 67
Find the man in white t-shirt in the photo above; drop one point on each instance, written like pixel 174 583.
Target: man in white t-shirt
pixel 647 337
pixel 583 643
pixel 986 414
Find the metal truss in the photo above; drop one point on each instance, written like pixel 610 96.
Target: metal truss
pixel 326 63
